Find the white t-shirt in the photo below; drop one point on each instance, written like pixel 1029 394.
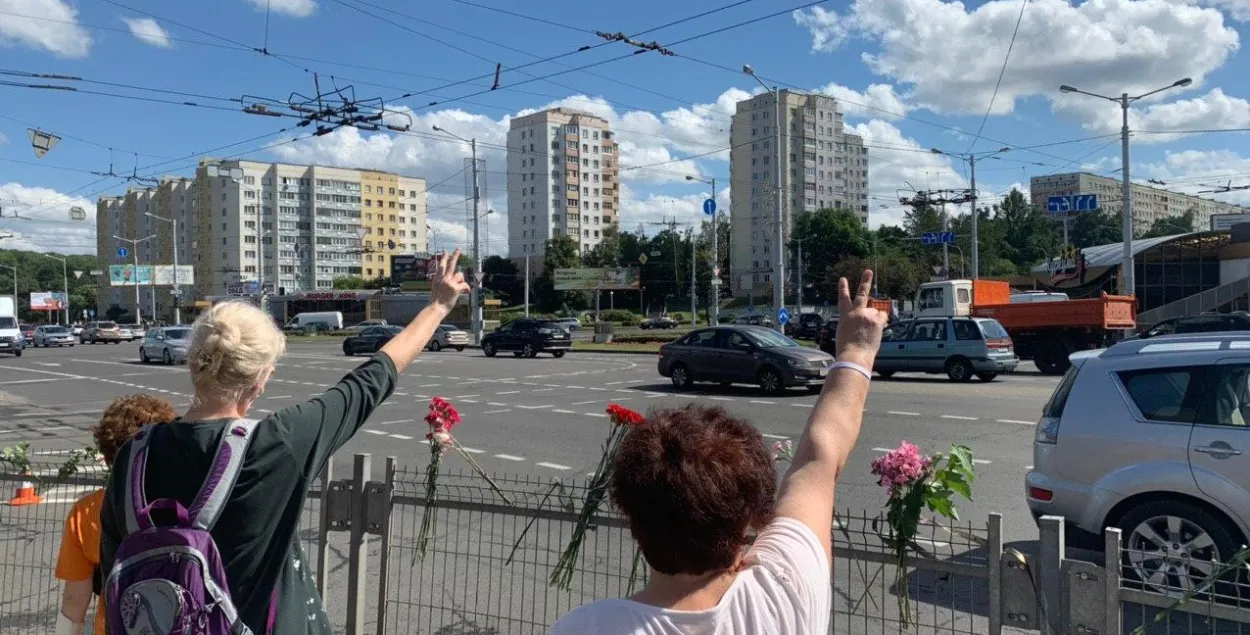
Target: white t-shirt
pixel 785 589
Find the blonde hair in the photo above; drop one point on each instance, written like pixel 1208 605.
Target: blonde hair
pixel 233 345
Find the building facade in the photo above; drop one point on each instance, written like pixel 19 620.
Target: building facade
pixel 289 227
pixel 563 179
pixel 822 166
pixel 1149 203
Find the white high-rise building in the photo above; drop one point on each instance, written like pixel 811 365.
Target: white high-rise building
pixel 821 167
pixel 563 178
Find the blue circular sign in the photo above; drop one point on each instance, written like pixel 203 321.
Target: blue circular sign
pixel 783 316
pixel 709 206
pixel 122 252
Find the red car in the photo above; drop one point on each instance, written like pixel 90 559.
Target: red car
pixel 28 332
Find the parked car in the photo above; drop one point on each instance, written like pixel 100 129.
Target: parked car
pixel 361 326
pixel 744 355
pixel 448 336
pixel 753 320
pixel 28 332
pixel 570 324
pixel 528 337
pixel 1150 436
pixel 662 322
pixel 96 332
pixel 370 340
pixel 168 344
pixel 961 347
pixel 76 330
pixel 1210 323
pixel 51 335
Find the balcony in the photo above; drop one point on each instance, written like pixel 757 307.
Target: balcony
pixel 607 191
pixel 573 152
pixel 572 179
pixel 572 138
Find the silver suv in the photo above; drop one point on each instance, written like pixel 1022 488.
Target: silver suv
pixel 1151 436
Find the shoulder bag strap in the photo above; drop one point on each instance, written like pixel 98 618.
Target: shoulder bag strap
pixel 227 464
pixel 136 500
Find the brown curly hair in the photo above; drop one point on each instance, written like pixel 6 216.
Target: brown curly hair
pixel 123 418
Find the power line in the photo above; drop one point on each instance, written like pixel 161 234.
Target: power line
pixel 1001 72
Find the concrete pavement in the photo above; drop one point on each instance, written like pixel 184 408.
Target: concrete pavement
pixel 545 417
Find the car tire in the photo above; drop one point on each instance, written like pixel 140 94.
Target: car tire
pixel 987 377
pixel 885 374
pixel 347 350
pixel 528 350
pixel 167 358
pixel 557 354
pixel 143 356
pixel 815 390
pixel 959 370
pixel 771 381
pixel 459 349
pixel 1190 517
pixel 681 377
pixel 435 346
pixel 489 349
pixel 17 353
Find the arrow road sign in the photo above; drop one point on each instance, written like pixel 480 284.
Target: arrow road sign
pixel 783 316
pixel 709 206
pixel 937 238
pixel 1073 203
pixel 122 252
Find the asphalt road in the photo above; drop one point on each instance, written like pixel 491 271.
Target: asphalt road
pixel 545 417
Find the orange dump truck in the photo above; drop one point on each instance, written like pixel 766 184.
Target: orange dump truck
pixel 1046 332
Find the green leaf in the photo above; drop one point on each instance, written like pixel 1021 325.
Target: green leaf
pixel 943 506
pixel 961 458
pixel 960 486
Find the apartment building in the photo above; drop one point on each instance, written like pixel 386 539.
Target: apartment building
pixel 1149 203
pixel 563 178
pixel 822 166
pixel 292 227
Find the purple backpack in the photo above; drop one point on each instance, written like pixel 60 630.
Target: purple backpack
pixel 168 579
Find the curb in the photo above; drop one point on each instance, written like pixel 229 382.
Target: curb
pixel 471 347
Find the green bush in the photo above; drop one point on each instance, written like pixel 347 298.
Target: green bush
pixel 512 317
pixel 652 337
pixel 622 317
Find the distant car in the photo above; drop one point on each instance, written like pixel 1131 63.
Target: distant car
pixel 137 331
pixel 662 322
pixel 448 336
pixel 168 344
pixel 28 332
pixel 961 347
pixel 96 332
pixel 744 355
pixel 807 326
pixel 570 324
pixel 528 337
pixel 1211 323
pixel 76 330
pixel 753 320
pixel 370 340
pixel 827 338
pixel 53 336
pixel 357 328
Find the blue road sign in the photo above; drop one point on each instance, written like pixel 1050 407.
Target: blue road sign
pixel 937 238
pixel 750 306
pixel 122 252
pixel 1074 203
pixel 783 316
pixel 709 206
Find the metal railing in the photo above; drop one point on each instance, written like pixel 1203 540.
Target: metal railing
pixel 1197 303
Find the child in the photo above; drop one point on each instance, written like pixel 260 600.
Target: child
pixel 79 556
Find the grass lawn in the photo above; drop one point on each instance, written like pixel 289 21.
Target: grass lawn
pixel 617 348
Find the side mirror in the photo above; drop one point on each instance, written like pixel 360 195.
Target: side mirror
pixel 745 346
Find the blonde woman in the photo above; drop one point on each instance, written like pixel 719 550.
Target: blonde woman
pixel 234 349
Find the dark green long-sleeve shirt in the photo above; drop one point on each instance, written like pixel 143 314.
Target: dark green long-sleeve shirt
pixel 256 534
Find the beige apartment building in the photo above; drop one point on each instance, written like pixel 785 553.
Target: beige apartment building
pixel 1149 203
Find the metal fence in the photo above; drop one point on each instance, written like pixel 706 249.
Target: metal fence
pixel 487 566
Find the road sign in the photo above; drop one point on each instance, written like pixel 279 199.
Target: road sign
pixel 477 278
pixel 1073 203
pixel 122 252
pixel 750 307
pixel 783 316
pixel 937 238
pixel 715 271
pixel 642 259
pixel 78 274
pixel 97 272
pixel 709 206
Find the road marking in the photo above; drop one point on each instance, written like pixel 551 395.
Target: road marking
pixel 553 466
pixel 401 437
pixel 1028 467
pixel 509 457
pixel 387 423
pixel 472 450
pixel 564 412
pixel 46 364
pixel 378 432
pixel 428 385
pixel 278 396
pixel 582 403
pixel 470 401
pixel 773 436
pixel 762 402
pixel 266 410
pixel 1018 421
pixel 495 412
pixel 401 394
pixel 903 413
pixel 495 404
pixel 575 387
pixel 466 396
pixel 959 417
pixel 615 383
pixel 982 461
pixel 534 407
pixel 595 414
pixel 32 381
pixel 508 392
pixel 542 390
pixel 802 405
pixel 721 398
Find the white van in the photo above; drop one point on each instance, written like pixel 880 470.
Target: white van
pixel 11 341
pixel 327 320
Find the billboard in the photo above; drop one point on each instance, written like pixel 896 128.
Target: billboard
pixel 412 272
pixel 164 275
pixel 619 279
pixel 48 301
pixel 129 275
pixel 1225 222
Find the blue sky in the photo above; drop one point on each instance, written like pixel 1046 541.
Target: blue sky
pixel 911 75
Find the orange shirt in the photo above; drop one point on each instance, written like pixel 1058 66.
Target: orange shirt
pixel 80 546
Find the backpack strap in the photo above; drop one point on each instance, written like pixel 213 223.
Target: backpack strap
pixel 136 501
pixel 227 464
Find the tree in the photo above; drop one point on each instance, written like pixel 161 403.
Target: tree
pixel 1029 235
pixel 1171 225
pixel 827 236
pixel 503 278
pixel 561 253
pixel 607 253
pixel 1095 228
pixel 348 282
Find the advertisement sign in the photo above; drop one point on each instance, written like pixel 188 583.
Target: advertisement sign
pixel 164 275
pixel 1070 265
pixel 129 275
pixel 619 279
pixel 412 272
pixel 338 295
pixel 47 301
pixel 1225 222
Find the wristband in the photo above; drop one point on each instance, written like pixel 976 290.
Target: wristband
pixel 66 626
pixel 852 366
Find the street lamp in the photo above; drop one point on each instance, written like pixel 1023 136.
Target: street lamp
pixel 134 251
pixel 64 283
pixel 779 275
pixel 714 313
pixel 177 290
pixel 1127 283
pixel 971 158
pixel 475 303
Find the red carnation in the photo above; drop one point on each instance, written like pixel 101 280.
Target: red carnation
pixel 623 416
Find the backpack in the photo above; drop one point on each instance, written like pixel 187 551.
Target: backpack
pixel 169 579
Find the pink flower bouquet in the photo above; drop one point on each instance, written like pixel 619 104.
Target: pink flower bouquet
pixel 917 482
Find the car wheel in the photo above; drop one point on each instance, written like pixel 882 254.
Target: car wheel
pixel 528 350
pixel 17 353
pixel 435 346
pixel 459 349
pixel 1169 546
pixel 885 374
pixel 681 377
pixel 959 369
pixel 987 376
pixel 489 349
pixel 347 350
pixel 815 390
pixel 557 354
pixel 771 382
pixel 167 358
pixel 143 356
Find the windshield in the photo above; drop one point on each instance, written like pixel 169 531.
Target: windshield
pixel 8 323
pixel 178 334
pixel 771 339
pixel 55 329
pixel 991 329
pixel 108 325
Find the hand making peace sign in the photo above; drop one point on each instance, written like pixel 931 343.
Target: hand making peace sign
pixel 859 325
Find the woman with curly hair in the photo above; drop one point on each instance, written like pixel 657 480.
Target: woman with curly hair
pixel 79 557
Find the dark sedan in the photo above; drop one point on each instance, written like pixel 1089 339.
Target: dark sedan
pixel 370 340
pixel 744 355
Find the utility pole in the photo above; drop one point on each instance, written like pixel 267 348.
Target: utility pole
pixel 714 309
pixel 930 198
pixel 475 301
pixel 779 272
pixel 694 297
pixel 134 251
pixel 799 274
pixel 971 158
pixel 527 285
pixel 176 292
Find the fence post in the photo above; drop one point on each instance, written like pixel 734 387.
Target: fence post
pixel 323 530
pixel 1049 574
pixel 1112 555
pixel 381 526
pixel 358 547
pixel 994 547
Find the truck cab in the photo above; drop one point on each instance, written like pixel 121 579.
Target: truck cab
pixel 955 298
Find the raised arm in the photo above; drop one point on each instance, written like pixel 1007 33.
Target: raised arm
pixel 807 491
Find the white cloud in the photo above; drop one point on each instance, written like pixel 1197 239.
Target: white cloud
pixel 3 139
pixel 1215 109
pixel 294 8
pixel 1192 171
pixel 56 30
pixel 950 56
pixel 897 162
pixel 828 30
pixel 148 31
pixel 44 224
pixel 878 101
pixel 1238 9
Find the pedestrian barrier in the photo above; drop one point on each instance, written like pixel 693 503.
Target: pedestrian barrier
pixel 487 565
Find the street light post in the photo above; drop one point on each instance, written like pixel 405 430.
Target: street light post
pixel 1128 285
pixel 475 301
pixel 177 290
pixel 779 273
pixel 971 158
pixel 714 312
pixel 134 251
